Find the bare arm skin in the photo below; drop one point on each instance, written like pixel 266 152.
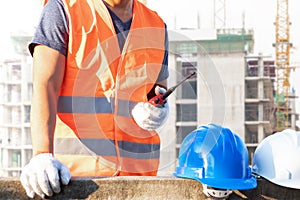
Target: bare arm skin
pixel 48 73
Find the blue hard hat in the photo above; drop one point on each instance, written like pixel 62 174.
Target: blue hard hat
pixel 216 157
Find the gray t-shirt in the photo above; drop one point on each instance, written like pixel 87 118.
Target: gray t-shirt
pixel 52 31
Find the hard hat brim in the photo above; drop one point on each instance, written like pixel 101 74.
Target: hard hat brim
pixel 230 184
pixel 295 183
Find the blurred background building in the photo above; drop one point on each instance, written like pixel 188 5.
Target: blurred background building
pixel 15 96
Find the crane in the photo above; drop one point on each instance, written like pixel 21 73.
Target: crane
pixel 283 68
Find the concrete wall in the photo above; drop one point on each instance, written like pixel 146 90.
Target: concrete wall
pixel 221 91
pixel 144 188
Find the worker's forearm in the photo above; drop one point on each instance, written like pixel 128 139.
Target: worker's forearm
pixel 43 118
pixel 48 73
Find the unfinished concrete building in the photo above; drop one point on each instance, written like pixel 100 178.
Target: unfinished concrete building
pixel 15 97
pixel 232 88
pixel 15 140
pixel 260 77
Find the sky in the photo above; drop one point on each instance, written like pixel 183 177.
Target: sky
pixel 259 15
pixel 16 16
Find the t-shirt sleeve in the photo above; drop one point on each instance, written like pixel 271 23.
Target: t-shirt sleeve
pixel 164 72
pixel 52 29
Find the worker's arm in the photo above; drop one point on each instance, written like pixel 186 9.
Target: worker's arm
pixel 44 174
pixel 48 72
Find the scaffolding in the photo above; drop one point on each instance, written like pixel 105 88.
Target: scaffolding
pixel 259 101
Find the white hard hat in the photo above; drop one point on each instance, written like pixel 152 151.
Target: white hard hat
pixel 277 159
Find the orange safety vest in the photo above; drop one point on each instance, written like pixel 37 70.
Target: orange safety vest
pixel 95 133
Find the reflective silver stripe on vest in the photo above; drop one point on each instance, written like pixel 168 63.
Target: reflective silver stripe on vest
pixel 103 147
pixel 90 105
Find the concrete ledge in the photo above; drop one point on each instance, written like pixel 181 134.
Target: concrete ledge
pixel 144 188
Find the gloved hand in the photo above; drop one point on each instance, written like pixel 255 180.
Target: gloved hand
pixel 43 174
pixel 150 117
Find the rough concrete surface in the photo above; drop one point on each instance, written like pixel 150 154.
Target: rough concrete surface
pixel 145 188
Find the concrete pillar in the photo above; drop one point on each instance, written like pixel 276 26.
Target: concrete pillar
pixel 260 133
pixel 260 96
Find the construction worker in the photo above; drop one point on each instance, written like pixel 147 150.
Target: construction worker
pixel 217 158
pixel 96 64
pixel 276 159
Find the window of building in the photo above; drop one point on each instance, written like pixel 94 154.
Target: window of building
pixel 29 92
pixel 14 93
pixel 27 114
pixel 251 134
pixel 188 68
pixel 27 135
pixel 186 112
pixel 16 115
pixel 251 112
pixel 251 90
pixel 14 136
pixel 182 132
pixel 188 90
pixel 15 158
pixel 16 72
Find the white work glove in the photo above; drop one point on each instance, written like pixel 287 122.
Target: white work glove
pixel 43 175
pixel 150 117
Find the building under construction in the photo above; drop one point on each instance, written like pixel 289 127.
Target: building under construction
pixel 15 98
pixel 233 87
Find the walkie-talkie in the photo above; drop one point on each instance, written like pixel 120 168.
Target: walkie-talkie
pixel 160 99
